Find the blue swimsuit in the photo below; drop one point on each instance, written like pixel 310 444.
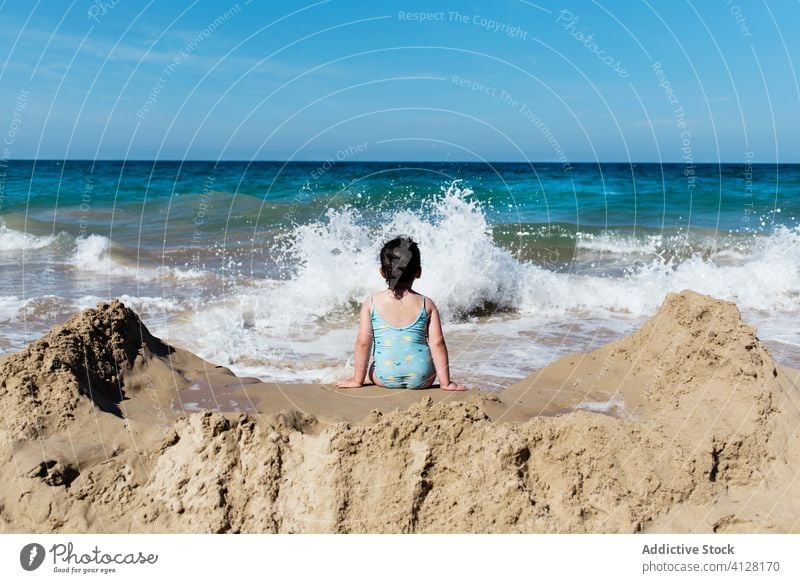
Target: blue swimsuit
pixel 402 357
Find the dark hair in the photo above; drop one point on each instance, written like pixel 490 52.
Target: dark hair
pixel 400 264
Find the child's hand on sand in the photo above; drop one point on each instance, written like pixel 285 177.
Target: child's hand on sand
pixel 350 383
pixel 454 387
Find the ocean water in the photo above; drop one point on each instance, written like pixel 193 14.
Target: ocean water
pixel 262 266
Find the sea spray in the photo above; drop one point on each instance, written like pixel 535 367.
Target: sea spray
pixel 462 268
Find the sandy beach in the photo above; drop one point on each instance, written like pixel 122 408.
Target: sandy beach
pixel 687 425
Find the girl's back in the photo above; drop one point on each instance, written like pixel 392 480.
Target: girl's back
pixel 399 313
pixel 401 355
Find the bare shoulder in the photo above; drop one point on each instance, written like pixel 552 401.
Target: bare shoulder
pixel 375 298
pixel 366 304
pixel 430 305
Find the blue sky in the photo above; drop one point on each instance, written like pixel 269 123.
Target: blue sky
pixel 502 80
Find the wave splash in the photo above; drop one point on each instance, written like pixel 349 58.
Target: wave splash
pixel 334 267
pixel 466 272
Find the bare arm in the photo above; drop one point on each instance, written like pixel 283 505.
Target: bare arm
pixel 441 360
pixel 361 350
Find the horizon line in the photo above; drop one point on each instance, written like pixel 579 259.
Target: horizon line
pixel 336 161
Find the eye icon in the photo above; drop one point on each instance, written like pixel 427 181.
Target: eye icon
pixel 31 556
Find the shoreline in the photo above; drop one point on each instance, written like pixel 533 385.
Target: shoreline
pixel 686 425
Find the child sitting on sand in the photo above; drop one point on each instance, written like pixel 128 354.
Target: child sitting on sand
pixel 402 327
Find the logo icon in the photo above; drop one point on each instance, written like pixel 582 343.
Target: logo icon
pixel 31 556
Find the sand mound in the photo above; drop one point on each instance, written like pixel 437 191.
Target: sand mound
pixel 705 439
pixel 89 355
pixel 698 372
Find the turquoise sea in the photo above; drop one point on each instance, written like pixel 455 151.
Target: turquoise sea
pixel 261 265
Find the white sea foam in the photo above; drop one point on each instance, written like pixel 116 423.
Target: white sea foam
pixel 145 306
pixel 9 308
pixel 11 240
pixel 766 281
pixel 93 256
pixel 610 242
pixel 15 309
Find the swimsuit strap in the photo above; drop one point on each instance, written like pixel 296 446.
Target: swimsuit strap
pixel 374 313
